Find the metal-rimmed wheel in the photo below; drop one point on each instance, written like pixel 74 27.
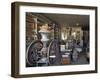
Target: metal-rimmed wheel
pixel 33 54
pixel 54 55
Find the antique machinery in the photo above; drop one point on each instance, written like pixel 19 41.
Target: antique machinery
pixel 43 52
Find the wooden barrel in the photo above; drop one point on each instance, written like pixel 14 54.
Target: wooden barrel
pixel 65 59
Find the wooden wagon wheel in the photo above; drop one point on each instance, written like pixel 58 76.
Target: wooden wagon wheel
pixel 54 55
pixel 33 52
